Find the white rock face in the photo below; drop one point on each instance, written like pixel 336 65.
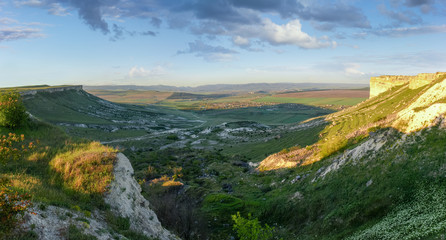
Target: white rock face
pixel 126 200
pixel 373 144
pixel 53 222
pixel 431 111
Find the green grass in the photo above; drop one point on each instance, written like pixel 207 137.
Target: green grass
pixel 257 151
pixel 408 179
pixel 75 233
pixel 59 107
pixel 421 218
pixel 85 167
pixel 271 115
pixel 34 87
pixel 313 101
pixel 34 175
pixel 362 117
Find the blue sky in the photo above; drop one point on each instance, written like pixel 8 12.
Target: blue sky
pixel 196 42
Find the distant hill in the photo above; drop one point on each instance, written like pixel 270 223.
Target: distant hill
pixel 249 87
pixel 190 96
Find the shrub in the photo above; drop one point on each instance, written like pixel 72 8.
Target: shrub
pixel 76 233
pixel 284 151
pixel 12 147
pixel 12 207
pixel 12 110
pixel 172 137
pixel 251 229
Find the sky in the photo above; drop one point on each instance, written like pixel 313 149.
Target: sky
pixel 197 42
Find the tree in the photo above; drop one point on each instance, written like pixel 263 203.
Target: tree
pixel 12 111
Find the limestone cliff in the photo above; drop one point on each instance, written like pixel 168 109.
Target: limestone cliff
pixel 383 83
pixel 26 93
pixel 408 109
pixel 125 200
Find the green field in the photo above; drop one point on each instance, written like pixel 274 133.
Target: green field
pixel 271 115
pixel 186 101
pixel 312 101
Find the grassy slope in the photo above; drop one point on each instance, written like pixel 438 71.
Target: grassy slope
pixel 342 204
pixel 36 175
pixel 395 204
pixel 351 125
pixel 59 107
pixel 62 170
pixel 312 101
pixel 131 96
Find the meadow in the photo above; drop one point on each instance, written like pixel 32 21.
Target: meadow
pixel 333 99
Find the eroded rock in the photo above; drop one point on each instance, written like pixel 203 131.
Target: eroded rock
pixel 126 200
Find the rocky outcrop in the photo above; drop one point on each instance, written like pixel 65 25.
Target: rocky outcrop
pixel 51 90
pixel 52 223
pixel 125 199
pixel 383 83
pixel 427 110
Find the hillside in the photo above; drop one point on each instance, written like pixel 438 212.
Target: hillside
pixel 376 172
pixel 74 186
pixel 372 171
pixel 403 107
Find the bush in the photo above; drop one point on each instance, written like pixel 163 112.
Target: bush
pixel 251 229
pixel 12 207
pixel 12 147
pixel 12 111
pixel 172 137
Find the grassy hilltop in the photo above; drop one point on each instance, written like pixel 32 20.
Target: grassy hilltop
pixel 372 171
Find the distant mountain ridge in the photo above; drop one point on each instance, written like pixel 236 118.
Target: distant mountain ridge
pixel 249 87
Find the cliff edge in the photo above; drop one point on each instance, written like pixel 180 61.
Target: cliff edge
pixel 125 199
pixel 383 83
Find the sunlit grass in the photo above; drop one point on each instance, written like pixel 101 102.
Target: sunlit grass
pixel 87 168
pixel 61 171
pixel 313 101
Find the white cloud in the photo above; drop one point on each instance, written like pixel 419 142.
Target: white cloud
pixel 241 41
pixel 57 10
pixel 140 72
pixel 209 52
pixel 7 21
pixel 286 34
pixel 11 29
pixel 409 31
pixel 33 3
pixel 352 69
pixel 18 32
pixel 219 57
